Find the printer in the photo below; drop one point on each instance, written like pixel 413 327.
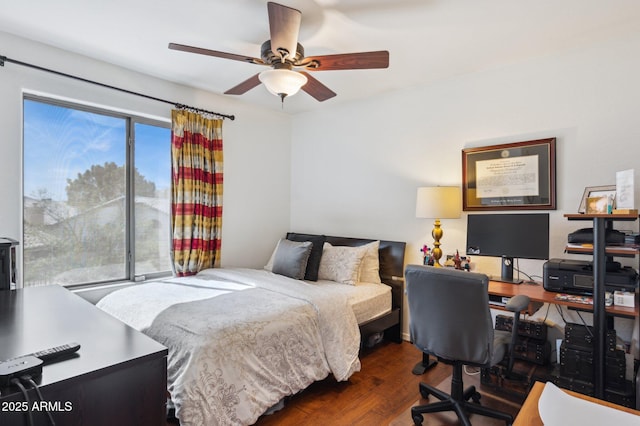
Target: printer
pixel 576 277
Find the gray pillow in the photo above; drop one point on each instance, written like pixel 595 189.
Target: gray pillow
pixel 291 258
pixel 316 253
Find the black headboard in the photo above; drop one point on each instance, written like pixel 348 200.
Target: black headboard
pixel 391 253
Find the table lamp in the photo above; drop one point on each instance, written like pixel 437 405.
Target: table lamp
pixel 438 202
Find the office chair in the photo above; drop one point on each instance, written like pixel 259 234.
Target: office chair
pixel 450 319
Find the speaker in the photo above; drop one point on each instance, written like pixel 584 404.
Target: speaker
pixel 507 268
pixel 7 263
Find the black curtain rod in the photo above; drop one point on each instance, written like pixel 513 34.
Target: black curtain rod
pixel 4 59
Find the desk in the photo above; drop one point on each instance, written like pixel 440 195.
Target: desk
pixel 539 295
pixel 118 377
pixel 529 415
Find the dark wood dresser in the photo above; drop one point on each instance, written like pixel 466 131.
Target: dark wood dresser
pixel 117 377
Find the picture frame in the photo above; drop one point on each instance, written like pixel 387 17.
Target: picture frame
pixel 597 205
pixel 595 191
pixel 512 176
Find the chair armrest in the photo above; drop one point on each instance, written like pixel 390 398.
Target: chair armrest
pixel 518 303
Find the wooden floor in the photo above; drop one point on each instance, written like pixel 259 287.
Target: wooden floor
pixel 382 391
pixel 376 395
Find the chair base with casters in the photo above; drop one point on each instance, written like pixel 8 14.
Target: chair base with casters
pixel 457 401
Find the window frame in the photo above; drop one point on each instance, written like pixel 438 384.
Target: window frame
pixel 130 119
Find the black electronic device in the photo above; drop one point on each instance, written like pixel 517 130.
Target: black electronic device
pixel 622 395
pixel 51 354
pixel 526 328
pixel 517 385
pixel 576 277
pixel 532 350
pixel 585 236
pixel 18 367
pixel 577 364
pixel 531 344
pixel 508 236
pixel 7 263
pixel 497 300
pixel 581 337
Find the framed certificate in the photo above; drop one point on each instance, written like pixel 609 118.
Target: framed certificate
pixel 511 176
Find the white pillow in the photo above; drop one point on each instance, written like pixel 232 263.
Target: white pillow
pixel 341 263
pixel 269 265
pixel 370 266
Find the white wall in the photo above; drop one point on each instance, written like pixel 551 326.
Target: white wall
pixel 256 144
pixel 356 167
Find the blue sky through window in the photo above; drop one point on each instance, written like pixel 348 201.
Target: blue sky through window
pixel 152 156
pixel 61 142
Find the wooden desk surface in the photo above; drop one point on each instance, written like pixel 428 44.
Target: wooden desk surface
pixel 537 293
pixel 118 377
pixel 530 416
pixel 37 318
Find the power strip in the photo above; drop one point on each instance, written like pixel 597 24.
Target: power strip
pixel 19 367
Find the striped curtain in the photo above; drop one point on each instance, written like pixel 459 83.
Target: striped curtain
pixel 196 192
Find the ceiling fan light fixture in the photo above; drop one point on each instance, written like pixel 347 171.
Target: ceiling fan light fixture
pixel 282 82
pixel 283 52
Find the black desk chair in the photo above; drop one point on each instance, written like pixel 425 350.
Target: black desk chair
pixel 450 319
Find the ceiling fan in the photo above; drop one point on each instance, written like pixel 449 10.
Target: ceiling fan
pixel 285 55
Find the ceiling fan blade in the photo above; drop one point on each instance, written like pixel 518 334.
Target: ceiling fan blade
pixel 284 25
pixel 347 61
pixel 244 87
pixel 208 52
pixel 317 89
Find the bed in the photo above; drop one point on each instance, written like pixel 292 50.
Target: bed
pixel 240 340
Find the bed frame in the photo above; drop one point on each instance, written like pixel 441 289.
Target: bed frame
pixel 391 255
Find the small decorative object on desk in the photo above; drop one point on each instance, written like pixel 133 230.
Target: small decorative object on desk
pixel 427 256
pixel 457 261
pixel 449 262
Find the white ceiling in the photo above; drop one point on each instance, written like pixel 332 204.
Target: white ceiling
pixel 428 40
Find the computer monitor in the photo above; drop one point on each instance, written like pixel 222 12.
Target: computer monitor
pixel 508 236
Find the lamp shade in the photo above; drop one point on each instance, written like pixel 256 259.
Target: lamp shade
pixel 439 202
pixel 282 82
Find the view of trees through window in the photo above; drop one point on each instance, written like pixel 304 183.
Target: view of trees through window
pixel 96 208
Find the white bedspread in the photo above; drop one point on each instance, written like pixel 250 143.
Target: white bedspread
pixel 240 340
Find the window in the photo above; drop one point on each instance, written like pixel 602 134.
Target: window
pixel 96 208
